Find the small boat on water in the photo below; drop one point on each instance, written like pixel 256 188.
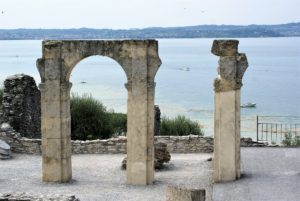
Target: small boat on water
pixel 185 68
pixel 248 105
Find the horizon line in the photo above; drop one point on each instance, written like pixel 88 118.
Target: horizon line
pixel 152 27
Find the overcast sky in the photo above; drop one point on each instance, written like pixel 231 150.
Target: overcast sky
pixel 118 14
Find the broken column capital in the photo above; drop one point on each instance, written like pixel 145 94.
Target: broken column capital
pixel 232 65
pixel 225 47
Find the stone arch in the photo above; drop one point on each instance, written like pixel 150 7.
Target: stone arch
pixel 140 61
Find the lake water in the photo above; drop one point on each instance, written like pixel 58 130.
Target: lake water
pixel 271 81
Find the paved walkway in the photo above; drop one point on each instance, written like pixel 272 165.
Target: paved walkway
pixel 270 174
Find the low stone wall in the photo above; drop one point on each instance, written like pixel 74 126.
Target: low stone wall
pixel 187 144
pixel 175 144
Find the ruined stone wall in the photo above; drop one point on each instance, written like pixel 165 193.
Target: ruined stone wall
pixel 175 144
pixel 21 105
pixel 18 143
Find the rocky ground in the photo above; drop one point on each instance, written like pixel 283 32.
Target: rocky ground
pixel 99 177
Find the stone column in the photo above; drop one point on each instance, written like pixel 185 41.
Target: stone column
pixel 227 85
pixel 140 125
pixel 140 133
pixel 56 132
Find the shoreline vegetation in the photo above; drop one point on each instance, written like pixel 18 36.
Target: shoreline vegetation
pixel 199 31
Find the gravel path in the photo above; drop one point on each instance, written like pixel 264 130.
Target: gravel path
pixel 270 174
pixel 99 177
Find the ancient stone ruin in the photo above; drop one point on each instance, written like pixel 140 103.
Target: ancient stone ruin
pixel 232 66
pixel 21 105
pixel 161 156
pixel 140 61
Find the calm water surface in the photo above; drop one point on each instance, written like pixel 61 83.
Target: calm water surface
pixel 271 81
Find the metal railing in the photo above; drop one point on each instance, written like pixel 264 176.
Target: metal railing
pixel 274 128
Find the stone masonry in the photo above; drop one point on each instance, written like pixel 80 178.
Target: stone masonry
pixel 175 144
pixel 232 66
pixel 140 61
pixel 21 105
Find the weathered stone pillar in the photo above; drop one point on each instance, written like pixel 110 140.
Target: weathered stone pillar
pixel 140 133
pixel 55 110
pixel 232 66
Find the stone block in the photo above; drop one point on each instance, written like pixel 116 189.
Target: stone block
pixel 225 47
pixel 242 65
pixel 227 67
pixel 174 193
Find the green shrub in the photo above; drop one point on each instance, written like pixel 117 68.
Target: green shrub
pixel 117 123
pixel 1 95
pixel 290 141
pixel 89 119
pixel 180 126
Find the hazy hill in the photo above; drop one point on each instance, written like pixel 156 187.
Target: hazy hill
pixel 200 31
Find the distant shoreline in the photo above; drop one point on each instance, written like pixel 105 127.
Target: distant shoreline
pixel 200 31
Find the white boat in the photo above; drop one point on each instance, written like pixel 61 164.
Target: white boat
pixel 185 68
pixel 248 105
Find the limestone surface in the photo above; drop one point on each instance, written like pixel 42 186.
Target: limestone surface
pixel 227 85
pixel 232 65
pixel 225 47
